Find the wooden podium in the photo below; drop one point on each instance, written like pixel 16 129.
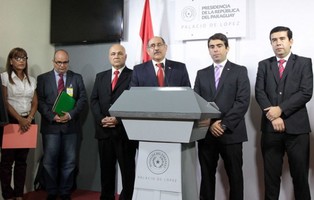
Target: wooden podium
pixel 165 121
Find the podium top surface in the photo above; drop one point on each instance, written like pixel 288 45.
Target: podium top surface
pixel 163 103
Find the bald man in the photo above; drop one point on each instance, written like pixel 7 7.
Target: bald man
pixel 113 142
pixel 60 132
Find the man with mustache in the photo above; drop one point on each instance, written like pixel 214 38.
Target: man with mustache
pixel 173 73
pixel 284 85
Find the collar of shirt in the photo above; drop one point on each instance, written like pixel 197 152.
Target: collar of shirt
pixel 285 58
pixel 222 65
pixel 57 76
pixel 155 64
pixel 14 76
pixel 114 69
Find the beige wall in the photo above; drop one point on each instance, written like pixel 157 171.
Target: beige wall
pixel 26 24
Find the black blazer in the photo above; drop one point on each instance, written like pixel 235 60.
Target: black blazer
pixel 176 75
pixel 102 98
pixel 3 110
pixel 232 97
pixel 47 93
pixel 291 93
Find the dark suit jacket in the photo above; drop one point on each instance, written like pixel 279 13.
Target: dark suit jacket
pixel 47 94
pixel 176 75
pixel 291 93
pixel 4 114
pixel 232 97
pixel 102 98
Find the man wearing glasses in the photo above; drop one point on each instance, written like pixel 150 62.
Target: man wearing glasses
pixel 159 71
pixel 60 132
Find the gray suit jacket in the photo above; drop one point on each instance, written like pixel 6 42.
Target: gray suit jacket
pixel 290 93
pixel 47 94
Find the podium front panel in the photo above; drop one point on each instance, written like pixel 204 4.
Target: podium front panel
pixel 159 167
pixel 163 130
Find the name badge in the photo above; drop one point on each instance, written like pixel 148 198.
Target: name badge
pixel 70 91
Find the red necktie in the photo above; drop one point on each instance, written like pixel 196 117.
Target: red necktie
pixel 60 83
pixel 160 75
pixel 281 67
pixel 115 79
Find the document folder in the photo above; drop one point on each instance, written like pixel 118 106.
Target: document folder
pixel 64 102
pixel 14 138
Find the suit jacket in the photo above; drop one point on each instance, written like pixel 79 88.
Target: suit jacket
pixel 102 98
pixel 232 97
pixel 47 94
pixel 290 93
pixel 176 75
pixel 3 110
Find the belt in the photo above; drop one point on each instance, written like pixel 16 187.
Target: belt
pixel 25 114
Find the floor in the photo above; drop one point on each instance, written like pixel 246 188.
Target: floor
pixel 77 195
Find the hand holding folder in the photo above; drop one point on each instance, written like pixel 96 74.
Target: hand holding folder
pixel 63 103
pixel 14 138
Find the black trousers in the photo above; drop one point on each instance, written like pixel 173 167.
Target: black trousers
pixel 274 146
pixel 111 151
pixel 208 152
pixel 8 157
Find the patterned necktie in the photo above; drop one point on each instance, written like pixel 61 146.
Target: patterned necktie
pixel 115 79
pixel 60 83
pixel 281 67
pixel 217 75
pixel 160 75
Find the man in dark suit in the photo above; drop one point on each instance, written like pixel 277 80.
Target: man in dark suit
pixel 282 96
pixel 113 142
pixel 174 73
pixel 226 84
pixel 60 133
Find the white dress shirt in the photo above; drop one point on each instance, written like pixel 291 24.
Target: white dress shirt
pixel 20 94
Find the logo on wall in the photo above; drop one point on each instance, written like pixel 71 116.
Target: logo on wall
pixel 158 162
pixel 201 18
pixel 188 13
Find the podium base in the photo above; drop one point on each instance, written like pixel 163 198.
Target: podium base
pixel 166 171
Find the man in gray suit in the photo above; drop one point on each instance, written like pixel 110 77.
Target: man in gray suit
pixel 226 84
pixel 284 84
pixel 60 132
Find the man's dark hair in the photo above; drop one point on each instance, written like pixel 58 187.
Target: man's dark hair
pixel 219 36
pixel 279 29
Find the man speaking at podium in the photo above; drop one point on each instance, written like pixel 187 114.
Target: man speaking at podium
pixel 159 71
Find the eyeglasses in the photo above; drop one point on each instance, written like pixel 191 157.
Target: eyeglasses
pixel 59 63
pixel 153 46
pixel 19 59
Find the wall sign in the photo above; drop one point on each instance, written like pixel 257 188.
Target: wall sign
pixel 199 19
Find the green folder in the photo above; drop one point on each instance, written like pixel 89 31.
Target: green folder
pixel 64 102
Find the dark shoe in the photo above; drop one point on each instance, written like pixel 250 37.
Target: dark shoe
pixel 65 197
pixel 52 197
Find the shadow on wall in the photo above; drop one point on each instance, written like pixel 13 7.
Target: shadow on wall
pixel 255 117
